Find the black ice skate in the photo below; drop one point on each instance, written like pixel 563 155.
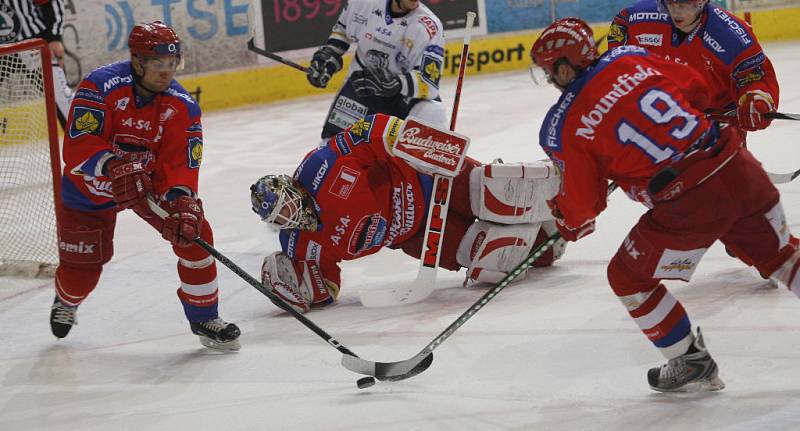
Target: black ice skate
pixel 62 318
pixel 217 334
pixel 691 372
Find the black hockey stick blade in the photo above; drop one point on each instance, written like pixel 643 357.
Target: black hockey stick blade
pixel 252 47
pixel 782 116
pixel 389 371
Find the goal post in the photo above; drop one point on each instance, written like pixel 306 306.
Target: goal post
pixel 30 162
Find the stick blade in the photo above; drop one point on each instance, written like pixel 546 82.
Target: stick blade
pixel 783 178
pixel 389 371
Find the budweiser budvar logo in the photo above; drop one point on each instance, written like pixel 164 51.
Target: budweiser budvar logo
pixel 433 149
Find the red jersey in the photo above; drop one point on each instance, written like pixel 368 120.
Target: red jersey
pixel 722 48
pixel 107 119
pixel 364 197
pixel 624 119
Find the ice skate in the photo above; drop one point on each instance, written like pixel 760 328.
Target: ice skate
pixel 62 318
pixel 691 372
pixel 217 334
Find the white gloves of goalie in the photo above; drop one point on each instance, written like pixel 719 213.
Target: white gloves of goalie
pixel 298 284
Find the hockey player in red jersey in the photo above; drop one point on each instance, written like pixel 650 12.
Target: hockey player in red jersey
pixel 629 117
pixel 353 196
pixel 712 41
pixel 135 133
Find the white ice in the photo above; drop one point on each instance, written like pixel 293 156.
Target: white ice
pixel 557 351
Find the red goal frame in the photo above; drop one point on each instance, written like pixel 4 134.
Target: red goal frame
pixel 50 106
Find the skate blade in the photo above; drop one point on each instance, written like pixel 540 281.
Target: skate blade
pixel 227 346
pixel 706 385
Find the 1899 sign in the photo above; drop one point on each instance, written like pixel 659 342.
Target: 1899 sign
pixel 296 24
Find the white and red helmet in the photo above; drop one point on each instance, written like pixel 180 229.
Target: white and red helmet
pixel 567 38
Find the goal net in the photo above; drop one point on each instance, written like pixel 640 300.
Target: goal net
pixel 29 160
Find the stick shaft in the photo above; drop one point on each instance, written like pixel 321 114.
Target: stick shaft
pixel 252 47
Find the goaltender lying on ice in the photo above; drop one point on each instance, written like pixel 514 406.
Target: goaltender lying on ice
pixel 356 194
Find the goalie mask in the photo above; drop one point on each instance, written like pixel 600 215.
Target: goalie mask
pixel 278 200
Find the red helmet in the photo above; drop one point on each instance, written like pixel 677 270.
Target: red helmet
pixel 569 38
pixel 154 38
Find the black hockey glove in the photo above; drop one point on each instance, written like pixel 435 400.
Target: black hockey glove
pixel 325 62
pixel 376 82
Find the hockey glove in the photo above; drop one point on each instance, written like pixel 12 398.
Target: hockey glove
pixel 184 222
pixel 325 62
pixel 752 107
pixel 568 232
pixel 378 82
pixel 298 283
pixel 130 182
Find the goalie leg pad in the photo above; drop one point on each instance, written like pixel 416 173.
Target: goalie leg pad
pixel 789 273
pixel 513 193
pixel 299 284
pixel 490 251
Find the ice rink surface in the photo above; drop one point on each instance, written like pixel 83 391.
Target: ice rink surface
pixel 554 352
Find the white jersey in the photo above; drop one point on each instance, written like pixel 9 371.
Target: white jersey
pixel 412 44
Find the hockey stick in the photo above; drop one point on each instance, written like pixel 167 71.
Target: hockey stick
pixel 346 353
pixel 773 177
pixel 782 116
pixel 783 178
pixel 252 47
pixel 401 370
pixel 425 283
pixel 727 116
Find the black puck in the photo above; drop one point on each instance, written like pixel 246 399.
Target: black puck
pixel 365 382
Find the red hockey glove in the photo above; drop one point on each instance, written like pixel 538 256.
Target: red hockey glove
pixel 752 107
pixel 570 233
pixel 184 222
pixel 130 182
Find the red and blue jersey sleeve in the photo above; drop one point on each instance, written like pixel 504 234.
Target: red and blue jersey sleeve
pixel 618 31
pixel 740 64
pixel 87 143
pixel 641 24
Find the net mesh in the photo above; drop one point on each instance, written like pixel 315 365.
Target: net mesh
pixel 27 213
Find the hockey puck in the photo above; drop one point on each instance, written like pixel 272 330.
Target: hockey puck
pixel 365 382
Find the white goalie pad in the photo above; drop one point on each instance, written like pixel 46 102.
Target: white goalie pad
pixel 513 193
pixel 489 251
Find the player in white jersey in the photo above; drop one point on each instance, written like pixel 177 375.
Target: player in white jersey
pixel 396 68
